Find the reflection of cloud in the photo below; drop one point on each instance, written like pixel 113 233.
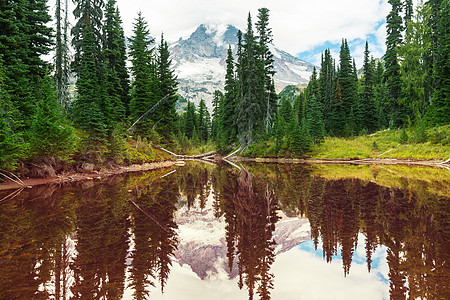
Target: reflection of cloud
pixel 300 273
pixel 184 284
pixel 321 280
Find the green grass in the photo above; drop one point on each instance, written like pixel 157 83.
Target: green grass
pixel 387 144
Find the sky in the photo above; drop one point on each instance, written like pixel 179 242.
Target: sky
pixel 304 28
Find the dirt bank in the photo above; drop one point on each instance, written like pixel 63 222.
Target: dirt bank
pixel 77 176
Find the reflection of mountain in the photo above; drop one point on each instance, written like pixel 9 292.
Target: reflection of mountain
pixel 202 243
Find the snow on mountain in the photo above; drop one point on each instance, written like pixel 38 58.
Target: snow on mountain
pixel 199 63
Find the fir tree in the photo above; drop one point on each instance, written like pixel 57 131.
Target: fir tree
pixel 25 38
pixel 203 120
pixel 392 72
pixel 50 134
pixel 248 109
pixel 144 72
pixel 315 124
pixel 228 128
pixel 114 53
pixel 369 116
pixel 441 67
pixel 415 69
pixel 267 71
pixel 88 13
pixel 217 103
pixel 87 111
pixel 326 85
pixel 190 120
pixel 167 87
pixel 11 143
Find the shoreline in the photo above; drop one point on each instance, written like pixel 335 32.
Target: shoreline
pixel 98 175
pixel 92 175
pixel 345 161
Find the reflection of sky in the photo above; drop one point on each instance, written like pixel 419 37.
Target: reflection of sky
pixel 309 276
pixel 300 273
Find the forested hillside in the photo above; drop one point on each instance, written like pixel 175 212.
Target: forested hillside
pixel 114 111
pixel 407 87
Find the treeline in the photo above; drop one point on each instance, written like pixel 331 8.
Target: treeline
pixel 409 86
pixel 40 114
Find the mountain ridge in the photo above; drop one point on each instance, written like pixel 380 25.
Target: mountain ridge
pixel 199 62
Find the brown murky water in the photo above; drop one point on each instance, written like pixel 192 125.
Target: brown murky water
pixel 215 232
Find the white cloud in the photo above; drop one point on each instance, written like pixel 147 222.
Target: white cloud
pixel 298 25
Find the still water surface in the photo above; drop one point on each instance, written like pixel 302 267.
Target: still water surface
pixel 215 232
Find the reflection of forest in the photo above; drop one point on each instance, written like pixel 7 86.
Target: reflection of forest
pixel 411 222
pixel 38 261
pixel 125 235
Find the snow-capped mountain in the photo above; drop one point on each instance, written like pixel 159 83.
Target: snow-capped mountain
pixel 199 63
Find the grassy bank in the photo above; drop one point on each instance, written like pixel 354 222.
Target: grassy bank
pixel 423 144
pixel 412 144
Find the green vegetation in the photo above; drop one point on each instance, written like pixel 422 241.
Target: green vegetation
pixel 337 115
pixel 377 145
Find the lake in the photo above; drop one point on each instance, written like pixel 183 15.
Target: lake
pixel 260 231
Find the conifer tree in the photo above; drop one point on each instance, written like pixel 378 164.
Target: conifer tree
pixel 88 13
pixel 11 143
pixel 167 87
pixel 203 120
pixel 441 67
pixel 415 70
pixel 369 116
pixel 267 68
pixel 326 85
pixel 190 120
pixel 315 124
pixel 114 54
pixel 88 105
pixel 25 38
pixel 392 72
pixel 228 128
pixel 346 91
pixel 217 103
pixel 286 117
pixel 358 107
pixel 248 109
pixel 144 72
pixel 50 134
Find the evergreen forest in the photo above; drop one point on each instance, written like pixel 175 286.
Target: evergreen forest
pixel 107 98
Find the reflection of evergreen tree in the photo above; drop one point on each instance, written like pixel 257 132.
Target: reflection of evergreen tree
pixel 102 232
pixel 412 225
pixel 250 213
pixel 369 195
pixel 154 235
pixel 31 228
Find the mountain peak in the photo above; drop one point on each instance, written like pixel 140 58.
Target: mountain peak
pixel 200 62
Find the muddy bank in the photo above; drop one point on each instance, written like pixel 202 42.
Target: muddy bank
pixel 84 175
pixel 365 161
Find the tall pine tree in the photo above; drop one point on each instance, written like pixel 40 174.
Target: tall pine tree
pixel 392 72
pixel 167 87
pixel 248 109
pixel 266 65
pixel 143 95
pixel 368 106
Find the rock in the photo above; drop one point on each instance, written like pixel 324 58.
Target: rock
pixel 87 167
